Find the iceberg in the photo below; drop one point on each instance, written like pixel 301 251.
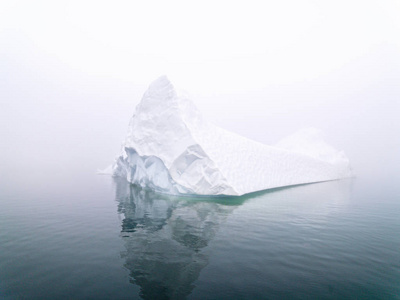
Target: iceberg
pixel 171 148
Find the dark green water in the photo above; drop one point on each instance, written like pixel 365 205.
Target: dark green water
pixel 91 237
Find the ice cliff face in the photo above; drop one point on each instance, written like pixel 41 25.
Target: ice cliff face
pixel 171 149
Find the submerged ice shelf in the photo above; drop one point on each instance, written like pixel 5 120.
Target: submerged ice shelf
pixel 172 149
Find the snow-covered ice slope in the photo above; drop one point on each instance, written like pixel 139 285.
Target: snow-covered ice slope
pixel 171 148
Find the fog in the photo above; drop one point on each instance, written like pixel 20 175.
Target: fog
pixel 72 74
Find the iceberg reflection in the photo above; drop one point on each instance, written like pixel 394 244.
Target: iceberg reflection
pixel 164 238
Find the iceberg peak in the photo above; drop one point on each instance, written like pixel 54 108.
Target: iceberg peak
pixel 171 149
pixel 161 87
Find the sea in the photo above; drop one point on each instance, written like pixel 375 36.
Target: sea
pixel 69 233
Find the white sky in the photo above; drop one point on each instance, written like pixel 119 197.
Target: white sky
pixel 206 45
pixel 72 71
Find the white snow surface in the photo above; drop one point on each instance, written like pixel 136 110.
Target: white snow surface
pixel 172 149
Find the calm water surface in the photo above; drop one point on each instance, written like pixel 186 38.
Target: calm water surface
pixel 82 236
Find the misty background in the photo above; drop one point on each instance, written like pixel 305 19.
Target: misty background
pixel 71 74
